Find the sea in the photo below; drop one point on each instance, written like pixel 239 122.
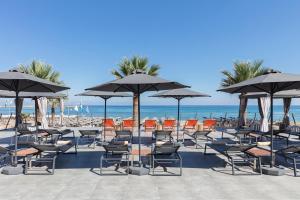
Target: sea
pixel 163 111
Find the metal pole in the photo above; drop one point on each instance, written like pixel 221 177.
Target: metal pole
pixel 271 130
pixel 16 129
pixel 178 118
pixel 139 124
pixel 105 99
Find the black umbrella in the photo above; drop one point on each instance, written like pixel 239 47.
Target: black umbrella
pixel 138 83
pixel 20 82
pixel 180 94
pixel 104 96
pixel 270 83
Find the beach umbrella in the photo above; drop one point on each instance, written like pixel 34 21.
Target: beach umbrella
pixel 270 83
pixel 180 94
pixel 138 83
pixel 21 82
pixel 105 96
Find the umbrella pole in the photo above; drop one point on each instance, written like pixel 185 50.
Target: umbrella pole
pixel 16 129
pixel 139 119
pixel 105 101
pixel 36 119
pixel 271 130
pixel 178 118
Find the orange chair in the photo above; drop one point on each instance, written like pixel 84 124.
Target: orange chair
pixel 190 124
pixel 209 124
pixel 150 125
pixel 169 124
pixel 128 124
pixel 109 124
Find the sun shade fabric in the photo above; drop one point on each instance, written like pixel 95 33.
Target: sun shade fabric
pixel 43 108
pixel 104 94
pixel 16 81
pixel 138 83
pixel 282 94
pixel 49 95
pixel 272 82
pixel 180 93
pixel 264 108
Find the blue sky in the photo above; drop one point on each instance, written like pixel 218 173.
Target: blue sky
pixel 192 41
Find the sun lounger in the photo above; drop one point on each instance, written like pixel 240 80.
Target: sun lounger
pixel 291 155
pixel 209 124
pixel 150 125
pixel 165 155
pixel 128 124
pixel 190 125
pixel 109 124
pixel 233 152
pixel 162 135
pixel 169 125
pixel 198 136
pixel 115 154
pixel 88 136
pixel 124 135
pixel 5 156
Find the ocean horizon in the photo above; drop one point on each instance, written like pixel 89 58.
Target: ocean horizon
pixel 161 111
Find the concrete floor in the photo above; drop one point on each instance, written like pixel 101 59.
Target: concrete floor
pixel 204 177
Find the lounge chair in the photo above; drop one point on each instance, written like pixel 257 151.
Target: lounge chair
pixel 198 136
pixel 5 156
pixel 169 125
pixel 291 155
pixel 115 154
pixel 150 125
pixel 165 155
pixel 233 152
pixel 124 135
pixel 162 135
pixel 190 125
pixel 209 124
pixel 128 124
pixel 288 133
pixel 88 136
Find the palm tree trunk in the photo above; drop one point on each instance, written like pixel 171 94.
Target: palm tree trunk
pixel 242 110
pixel 52 114
pixel 135 109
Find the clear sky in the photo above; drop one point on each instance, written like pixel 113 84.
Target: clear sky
pixel 192 40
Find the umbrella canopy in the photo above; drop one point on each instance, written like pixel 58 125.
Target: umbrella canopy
pixel 48 95
pixel 104 95
pixel 277 95
pixel 138 83
pixel 180 94
pixel 270 83
pixel 20 82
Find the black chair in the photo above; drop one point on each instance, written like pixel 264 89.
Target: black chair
pixel 291 155
pixel 161 135
pixel 233 152
pixel 165 155
pixel 198 136
pixel 88 136
pixel 115 154
pixel 124 135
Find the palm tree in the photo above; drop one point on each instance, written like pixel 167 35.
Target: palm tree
pixel 129 66
pixel 44 71
pixel 242 70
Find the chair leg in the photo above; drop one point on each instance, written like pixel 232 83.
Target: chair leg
pixel 259 165
pixel 232 166
pixel 295 167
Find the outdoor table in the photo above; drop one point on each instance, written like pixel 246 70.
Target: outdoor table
pixel 258 153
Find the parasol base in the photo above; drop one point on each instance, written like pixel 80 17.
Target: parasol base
pixel 139 171
pixel 273 171
pixel 13 170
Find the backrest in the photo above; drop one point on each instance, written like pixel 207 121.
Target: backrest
pixel 108 122
pixel 128 123
pixel 123 133
pixel 209 123
pixel 3 150
pixel 150 123
pixel 191 123
pixel 166 149
pixel 169 123
pixel 161 135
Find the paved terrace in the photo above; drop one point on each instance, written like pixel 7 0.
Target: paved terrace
pixel 204 177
